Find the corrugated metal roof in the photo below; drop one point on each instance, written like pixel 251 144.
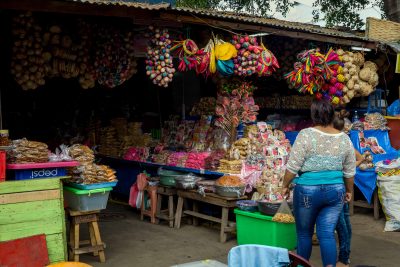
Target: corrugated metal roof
pixel 126 3
pixel 269 22
pixel 257 20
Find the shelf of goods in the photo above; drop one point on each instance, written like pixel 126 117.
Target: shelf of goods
pixel 33 207
pixel 127 170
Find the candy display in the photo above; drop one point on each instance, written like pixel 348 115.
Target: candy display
pixel 27 64
pixel 137 154
pixel 115 62
pixel 159 65
pixel 235 104
pixel 206 106
pixel 230 166
pixel 25 151
pixel 375 121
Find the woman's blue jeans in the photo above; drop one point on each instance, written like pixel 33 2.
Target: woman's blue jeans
pixel 343 229
pixel 321 205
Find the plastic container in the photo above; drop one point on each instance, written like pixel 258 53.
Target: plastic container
pixel 255 228
pixel 247 205
pixel 203 263
pixel 92 186
pixel 270 208
pixel 86 200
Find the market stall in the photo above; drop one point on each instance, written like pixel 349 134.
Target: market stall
pixel 181 102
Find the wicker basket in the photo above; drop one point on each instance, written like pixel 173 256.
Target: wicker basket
pixel 382 30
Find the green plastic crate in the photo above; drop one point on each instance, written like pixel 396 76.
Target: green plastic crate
pixel 255 228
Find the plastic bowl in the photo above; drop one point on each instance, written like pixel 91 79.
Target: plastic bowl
pixel 270 208
pixel 247 205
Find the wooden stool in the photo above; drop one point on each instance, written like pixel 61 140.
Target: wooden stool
pixel 152 191
pixel 166 214
pixel 96 246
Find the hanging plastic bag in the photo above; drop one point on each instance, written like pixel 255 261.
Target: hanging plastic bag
pixel 284 214
pixel 133 195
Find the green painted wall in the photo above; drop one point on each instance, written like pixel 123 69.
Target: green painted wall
pixel 29 218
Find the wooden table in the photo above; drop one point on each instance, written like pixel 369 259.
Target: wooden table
pixel 225 203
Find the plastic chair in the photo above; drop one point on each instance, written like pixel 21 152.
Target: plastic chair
pixel 260 256
pixel 297 261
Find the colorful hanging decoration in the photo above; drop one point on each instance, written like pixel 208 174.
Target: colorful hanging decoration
pixel 159 65
pixel 188 53
pixel 308 74
pixel 203 66
pixel 332 90
pixel 253 58
pixel 115 62
pixel 246 62
pixel 224 52
pixel 267 62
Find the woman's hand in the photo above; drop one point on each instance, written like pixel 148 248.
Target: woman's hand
pixel 285 192
pixel 348 196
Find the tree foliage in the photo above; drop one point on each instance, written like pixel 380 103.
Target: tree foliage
pixel 345 13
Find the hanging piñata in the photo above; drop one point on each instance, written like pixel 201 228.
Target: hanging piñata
pixel 159 65
pixel 252 58
pixel 188 53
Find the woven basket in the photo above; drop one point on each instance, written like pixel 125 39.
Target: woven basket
pixel 382 30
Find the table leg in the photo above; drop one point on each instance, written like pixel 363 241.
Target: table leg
pixel 189 219
pixel 76 241
pixel 195 209
pixel 178 214
pixel 224 224
pixel 171 211
pixel 159 203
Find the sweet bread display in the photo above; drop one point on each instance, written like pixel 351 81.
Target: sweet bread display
pixel 24 151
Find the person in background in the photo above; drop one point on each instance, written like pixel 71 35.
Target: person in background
pixel 324 160
pixel 343 227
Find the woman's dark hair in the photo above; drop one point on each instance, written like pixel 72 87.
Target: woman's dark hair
pixel 338 121
pixel 322 112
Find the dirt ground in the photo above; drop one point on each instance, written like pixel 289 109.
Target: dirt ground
pixel 131 242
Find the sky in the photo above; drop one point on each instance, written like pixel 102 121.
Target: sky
pixel 303 13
